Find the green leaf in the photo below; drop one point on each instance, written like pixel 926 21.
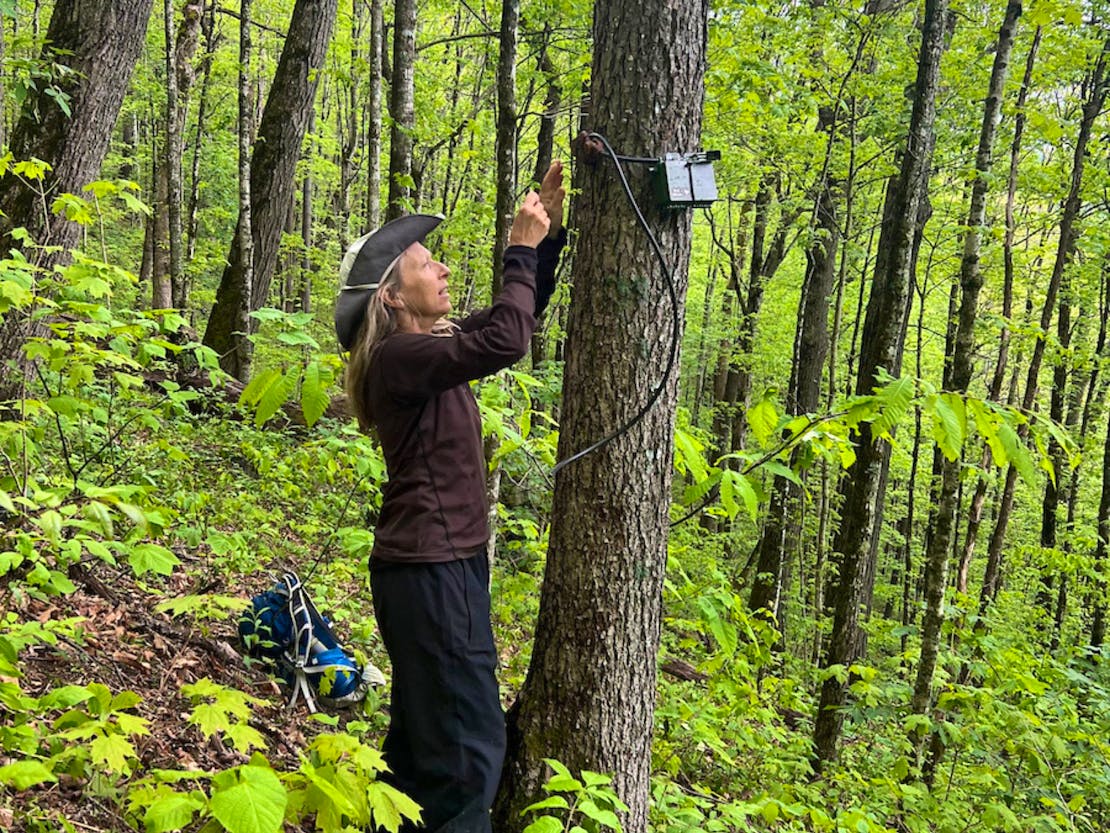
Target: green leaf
pixel 248 799
pixel 607 818
pixel 258 385
pixel 170 812
pixel 734 483
pixel 314 398
pixel 389 806
pixel 894 400
pixel 152 558
pixel 547 803
pixel 112 751
pixel 297 338
pixel 1017 454
pixel 545 824
pixel 25 774
pixel 689 455
pixel 210 719
pixel 762 418
pixel 949 424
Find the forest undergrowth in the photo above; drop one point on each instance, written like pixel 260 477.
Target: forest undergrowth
pixel 139 516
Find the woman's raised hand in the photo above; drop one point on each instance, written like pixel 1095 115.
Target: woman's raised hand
pixel 552 195
pixel 531 222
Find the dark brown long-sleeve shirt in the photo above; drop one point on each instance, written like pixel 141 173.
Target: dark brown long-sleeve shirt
pixel 434 505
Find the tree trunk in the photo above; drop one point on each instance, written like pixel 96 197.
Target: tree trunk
pixel 211 39
pixel 99 43
pixel 272 182
pixel 179 82
pixel 401 109
pixel 589 697
pixel 1068 234
pixel 545 151
pixel 781 536
pixel 374 124
pixel 1098 624
pixel 306 232
pixel 960 369
pixel 881 347
pixel 505 141
pixel 978 499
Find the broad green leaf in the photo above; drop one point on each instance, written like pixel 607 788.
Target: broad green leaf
pixel 1017 454
pixel 606 818
pixel 171 812
pixel 314 397
pixel 547 803
pixel 545 824
pixel 112 751
pixel 762 418
pixel 258 385
pixel 298 338
pixel 389 806
pixel 248 799
pixel 274 396
pixel 949 424
pixel 23 775
pixel 210 719
pixel 152 558
pixel 689 455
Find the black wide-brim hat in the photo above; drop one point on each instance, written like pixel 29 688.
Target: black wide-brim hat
pixel 366 263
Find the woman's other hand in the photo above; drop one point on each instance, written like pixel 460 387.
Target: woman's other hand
pixel 531 222
pixel 552 195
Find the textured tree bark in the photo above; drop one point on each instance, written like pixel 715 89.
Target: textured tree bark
pixel 590 693
pixel 959 371
pixel 348 135
pixel 374 123
pixel 272 182
pixel 401 108
pixel 100 43
pixel 1068 234
pixel 211 39
pixel 881 347
pixel 505 141
pixel 1098 623
pixel 179 83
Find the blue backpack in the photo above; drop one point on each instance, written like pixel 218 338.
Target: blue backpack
pixel 283 629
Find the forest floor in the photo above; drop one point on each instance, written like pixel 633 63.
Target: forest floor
pixel 124 643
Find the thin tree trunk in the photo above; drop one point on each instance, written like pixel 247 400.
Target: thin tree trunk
pixel 211 40
pixel 238 361
pixel 505 140
pixel 401 109
pixel 374 123
pixel 958 377
pixel 882 345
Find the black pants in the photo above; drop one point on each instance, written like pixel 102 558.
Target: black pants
pixel 446 739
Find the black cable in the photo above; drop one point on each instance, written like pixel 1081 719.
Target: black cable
pixel 676 322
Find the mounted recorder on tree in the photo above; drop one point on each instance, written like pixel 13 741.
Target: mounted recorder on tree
pixel 685 180
pixel 678 180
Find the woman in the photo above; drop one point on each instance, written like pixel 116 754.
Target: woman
pixel 408 379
